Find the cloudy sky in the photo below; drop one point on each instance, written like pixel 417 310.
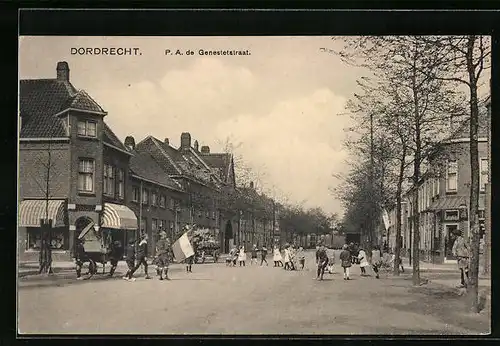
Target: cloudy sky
pixel 281 106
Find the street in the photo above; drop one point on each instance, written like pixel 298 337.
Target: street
pixel 216 299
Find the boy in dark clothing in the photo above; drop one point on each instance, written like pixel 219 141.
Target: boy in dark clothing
pixel 254 255
pixel 115 254
pixel 263 255
pixel 142 252
pixel 130 260
pixel 79 258
pixel 322 261
pixel 345 258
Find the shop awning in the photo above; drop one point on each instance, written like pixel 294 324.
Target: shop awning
pixel 454 202
pixel 32 210
pixel 118 216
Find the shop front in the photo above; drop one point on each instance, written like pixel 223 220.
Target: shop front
pixel 31 214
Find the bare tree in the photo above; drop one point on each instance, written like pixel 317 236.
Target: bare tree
pixel 42 179
pixel 464 59
pixel 399 61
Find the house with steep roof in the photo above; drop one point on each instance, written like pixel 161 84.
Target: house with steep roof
pixel 155 198
pixel 73 170
pixel 444 191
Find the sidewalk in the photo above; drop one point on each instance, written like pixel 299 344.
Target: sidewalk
pixel 448 274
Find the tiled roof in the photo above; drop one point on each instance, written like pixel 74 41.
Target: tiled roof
pixel 218 161
pixel 83 101
pixel 143 165
pixel 110 138
pixel 41 99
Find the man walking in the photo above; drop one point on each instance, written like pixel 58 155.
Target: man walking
pixel 263 255
pixel 164 255
pixel 461 251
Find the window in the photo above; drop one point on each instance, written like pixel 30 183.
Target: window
pixel 451 215
pixel 109 180
pixel 483 177
pixel 87 128
pixel 121 183
pixel 86 175
pixel 162 201
pixel 171 202
pixel 481 214
pixel 135 194
pixel 145 196
pixel 144 225
pixel 154 198
pixel 452 176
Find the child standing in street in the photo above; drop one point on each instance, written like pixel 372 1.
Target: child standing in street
pixel 277 257
pixel 301 257
pixel 242 256
pixel 254 255
pixel 345 257
pixel 363 262
pixel 376 260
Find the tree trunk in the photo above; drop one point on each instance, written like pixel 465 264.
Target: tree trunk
pixel 399 189
pixel 472 287
pixel 416 178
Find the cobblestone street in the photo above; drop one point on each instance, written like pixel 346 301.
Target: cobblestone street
pixel 215 299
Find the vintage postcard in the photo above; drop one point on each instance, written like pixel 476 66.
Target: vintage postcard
pixel 285 185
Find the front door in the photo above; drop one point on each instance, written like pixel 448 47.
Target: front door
pixel 451 236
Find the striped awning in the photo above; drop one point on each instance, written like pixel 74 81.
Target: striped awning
pixel 32 210
pixel 118 216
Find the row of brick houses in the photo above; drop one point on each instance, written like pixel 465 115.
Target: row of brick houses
pixel 444 191
pixel 74 171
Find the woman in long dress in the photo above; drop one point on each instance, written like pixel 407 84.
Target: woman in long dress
pixel 277 257
pixel 242 257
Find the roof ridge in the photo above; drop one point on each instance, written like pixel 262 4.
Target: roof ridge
pixel 162 150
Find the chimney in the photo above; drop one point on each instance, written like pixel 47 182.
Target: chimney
pixel 251 184
pixel 196 145
pixel 185 141
pixel 166 141
pixel 62 71
pixel 130 142
pixel 205 149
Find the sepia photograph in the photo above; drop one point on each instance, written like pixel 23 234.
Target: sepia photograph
pixel 254 185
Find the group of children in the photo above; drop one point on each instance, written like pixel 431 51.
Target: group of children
pixel 292 258
pixel 349 256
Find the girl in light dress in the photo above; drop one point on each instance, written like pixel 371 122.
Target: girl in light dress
pixel 277 257
pixel 363 261
pixel 242 257
pixel 287 257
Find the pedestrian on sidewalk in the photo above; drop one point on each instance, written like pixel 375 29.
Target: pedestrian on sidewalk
pixel 242 256
pixel 363 262
pixel 263 255
pixel 321 261
pixel 253 254
pixel 461 251
pixel 130 260
pixel 376 260
pixel 346 261
pixel 277 257
pixel 45 257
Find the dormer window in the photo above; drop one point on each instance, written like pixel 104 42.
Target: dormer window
pixel 87 128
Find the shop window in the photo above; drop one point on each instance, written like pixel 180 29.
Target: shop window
pixel 59 241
